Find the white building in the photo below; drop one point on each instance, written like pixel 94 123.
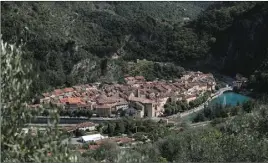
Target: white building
pixel 92 138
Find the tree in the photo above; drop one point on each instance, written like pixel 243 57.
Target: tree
pixel 107 151
pixel 119 128
pixel 85 146
pixel 79 133
pixel 88 113
pixel 75 113
pixel 110 129
pixel 45 112
pixel 199 118
pixel 248 106
pixel 16 145
pixel 99 128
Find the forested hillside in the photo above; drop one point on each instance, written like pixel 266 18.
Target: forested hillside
pixel 238 44
pixel 73 42
pixel 79 42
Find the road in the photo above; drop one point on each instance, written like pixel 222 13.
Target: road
pixel 92 118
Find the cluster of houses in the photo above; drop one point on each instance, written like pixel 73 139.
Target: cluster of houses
pixel 137 97
pixel 94 140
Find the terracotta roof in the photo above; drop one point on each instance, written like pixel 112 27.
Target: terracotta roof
pixel 71 100
pixel 68 90
pixel 167 87
pixel 159 88
pixel 107 100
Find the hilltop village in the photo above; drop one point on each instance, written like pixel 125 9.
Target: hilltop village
pixel 140 97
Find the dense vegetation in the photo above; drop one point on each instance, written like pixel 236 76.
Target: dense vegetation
pixel 71 43
pixel 181 106
pixel 155 70
pixel 148 128
pixel 16 145
pixel 212 112
pixel 241 138
pixel 176 107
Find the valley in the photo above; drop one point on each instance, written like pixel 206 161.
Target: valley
pixel 118 82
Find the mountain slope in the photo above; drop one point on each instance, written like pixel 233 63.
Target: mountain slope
pixel 59 36
pixel 79 42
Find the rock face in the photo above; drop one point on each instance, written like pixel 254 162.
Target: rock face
pixel 91 70
pixel 243 47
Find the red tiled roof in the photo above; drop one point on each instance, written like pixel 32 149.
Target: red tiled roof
pixel 71 100
pixel 68 90
pixel 142 100
pixel 102 99
pixel 167 87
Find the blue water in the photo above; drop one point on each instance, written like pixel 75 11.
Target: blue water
pixel 231 98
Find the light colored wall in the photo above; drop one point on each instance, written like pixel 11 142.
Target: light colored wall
pixel 121 107
pixel 139 114
pixel 150 110
pixel 91 128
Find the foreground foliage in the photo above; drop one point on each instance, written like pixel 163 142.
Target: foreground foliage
pixel 16 145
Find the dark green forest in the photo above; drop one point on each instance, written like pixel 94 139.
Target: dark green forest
pixel 79 42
